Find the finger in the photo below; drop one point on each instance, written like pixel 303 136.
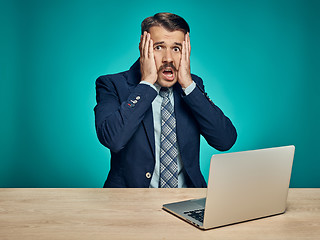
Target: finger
pixel 143 43
pixel 146 47
pixel 140 43
pixel 187 51
pixel 189 44
pixel 151 49
pixel 187 47
pixel 183 53
pixel 187 56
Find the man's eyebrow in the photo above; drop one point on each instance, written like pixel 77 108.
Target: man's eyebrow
pixel 162 42
pixel 158 43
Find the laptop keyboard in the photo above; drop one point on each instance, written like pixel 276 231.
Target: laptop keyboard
pixel 196 214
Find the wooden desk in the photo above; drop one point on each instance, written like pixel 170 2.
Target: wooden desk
pixel 137 214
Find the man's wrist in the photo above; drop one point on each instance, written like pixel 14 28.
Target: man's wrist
pixel 149 80
pixel 186 81
pixel 187 84
pixel 148 83
pixel 190 88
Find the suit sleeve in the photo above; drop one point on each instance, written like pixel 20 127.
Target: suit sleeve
pixel 215 127
pixel 117 121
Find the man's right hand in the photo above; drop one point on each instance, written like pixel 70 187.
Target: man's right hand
pixel 147 63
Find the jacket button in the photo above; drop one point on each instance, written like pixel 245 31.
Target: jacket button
pixel 148 175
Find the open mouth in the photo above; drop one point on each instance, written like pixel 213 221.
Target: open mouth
pixel 168 74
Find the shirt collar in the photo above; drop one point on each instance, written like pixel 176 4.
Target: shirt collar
pixel 158 87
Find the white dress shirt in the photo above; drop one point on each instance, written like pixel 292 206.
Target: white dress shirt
pixel 156 110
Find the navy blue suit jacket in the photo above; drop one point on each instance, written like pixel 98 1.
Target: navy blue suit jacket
pixel 126 127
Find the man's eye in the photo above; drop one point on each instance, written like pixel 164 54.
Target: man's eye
pixel 157 48
pixel 176 49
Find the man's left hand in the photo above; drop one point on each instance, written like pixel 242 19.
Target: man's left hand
pixel 184 73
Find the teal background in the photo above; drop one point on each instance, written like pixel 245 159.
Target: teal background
pixel 259 61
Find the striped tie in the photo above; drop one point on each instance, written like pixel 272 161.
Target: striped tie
pixel 168 144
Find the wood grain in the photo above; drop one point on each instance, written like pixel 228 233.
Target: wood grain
pixel 137 214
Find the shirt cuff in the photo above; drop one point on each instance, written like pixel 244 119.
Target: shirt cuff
pixel 147 83
pixel 190 88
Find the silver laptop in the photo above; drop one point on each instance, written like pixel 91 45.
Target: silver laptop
pixel 242 186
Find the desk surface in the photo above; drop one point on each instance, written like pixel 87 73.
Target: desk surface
pixel 137 214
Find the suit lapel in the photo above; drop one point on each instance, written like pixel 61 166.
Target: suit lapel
pixel 181 122
pixel 149 128
pixel 134 77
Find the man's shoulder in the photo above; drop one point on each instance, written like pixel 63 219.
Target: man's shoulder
pixel 132 75
pixel 196 78
pixel 110 81
pixel 113 77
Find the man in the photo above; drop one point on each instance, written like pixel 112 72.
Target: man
pixel 151 116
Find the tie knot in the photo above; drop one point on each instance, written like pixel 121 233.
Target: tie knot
pixel 164 92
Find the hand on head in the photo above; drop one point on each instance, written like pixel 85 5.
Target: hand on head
pixel 147 62
pixel 184 73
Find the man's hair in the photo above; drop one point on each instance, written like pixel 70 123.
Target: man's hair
pixel 171 22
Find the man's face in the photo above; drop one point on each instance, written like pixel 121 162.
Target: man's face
pixel 167 47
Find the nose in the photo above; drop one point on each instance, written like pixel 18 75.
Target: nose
pixel 167 56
